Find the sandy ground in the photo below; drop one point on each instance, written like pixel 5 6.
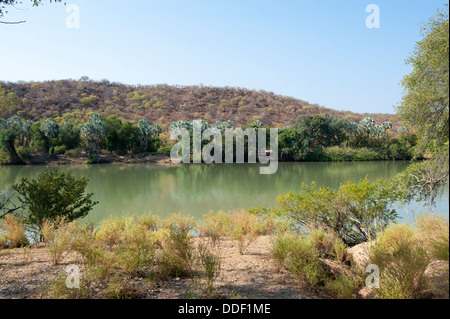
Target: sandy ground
pixel 25 274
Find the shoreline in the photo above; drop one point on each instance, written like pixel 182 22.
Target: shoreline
pixel 63 160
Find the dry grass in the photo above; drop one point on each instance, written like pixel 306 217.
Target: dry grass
pixel 433 232
pixel 14 232
pixel 402 259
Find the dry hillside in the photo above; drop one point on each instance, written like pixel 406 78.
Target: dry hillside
pixel 163 104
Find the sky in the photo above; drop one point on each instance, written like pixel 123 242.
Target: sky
pixel 316 50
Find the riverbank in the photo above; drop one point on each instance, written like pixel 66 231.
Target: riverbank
pixel 332 155
pixel 238 256
pixel 26 273
pixel 58 160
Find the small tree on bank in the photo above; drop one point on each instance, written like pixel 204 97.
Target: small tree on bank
pixel 53 196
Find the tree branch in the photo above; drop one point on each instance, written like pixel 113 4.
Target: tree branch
pixel 17 22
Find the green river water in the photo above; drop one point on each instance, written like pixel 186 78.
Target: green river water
pixel 195 189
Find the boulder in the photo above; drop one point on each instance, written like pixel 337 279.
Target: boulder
pixel 366 293
pixel 437 275
pixel 336 268
pixel 358 255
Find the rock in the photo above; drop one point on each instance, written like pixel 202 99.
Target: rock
pixel 336 268
pixel 437 274
pixel 367 293
pixel 358 255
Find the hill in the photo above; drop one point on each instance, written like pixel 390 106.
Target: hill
pixel 163 104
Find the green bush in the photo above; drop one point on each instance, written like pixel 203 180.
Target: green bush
pixel 176 254
pixel 136 249
pixel 165 150
pixel 306 257
pixel 402 260
pixel 301 258
pixel 343 287
pixel 73 153
pixel 59 150
pixel 52 196
pixel 4 157
pixel 24 152
pixel 355 212
pixel 340 154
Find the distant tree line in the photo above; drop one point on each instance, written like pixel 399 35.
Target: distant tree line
pixel 19 138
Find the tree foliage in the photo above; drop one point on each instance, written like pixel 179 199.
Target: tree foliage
pixel 425 107
pixel 10 130
pixel 93 133
pixel 356 212
pixel 52 196
pixel 425 104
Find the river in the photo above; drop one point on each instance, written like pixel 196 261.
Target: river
pixel 195 189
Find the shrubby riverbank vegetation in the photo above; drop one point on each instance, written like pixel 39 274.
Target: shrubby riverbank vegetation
pixel 324 238
pixel 309 138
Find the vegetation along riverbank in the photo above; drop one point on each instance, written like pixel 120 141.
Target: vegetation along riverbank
pixel 318 242
pixel 291 251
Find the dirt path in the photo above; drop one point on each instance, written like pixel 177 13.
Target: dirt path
pixel 25 273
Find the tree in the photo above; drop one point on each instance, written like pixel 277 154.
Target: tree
pixel 26 133
pixel 9 131
pixel 52 196
pixel 8 103
pixel 50 130
pixel 423 181
pixel 145 134
pixel 6 4
pixel 425 108
pixel 7 205
pixel 69 135
pixel 93 133
pixel 338 129
pixel 128 137
pixel 112 126
pixel 426 89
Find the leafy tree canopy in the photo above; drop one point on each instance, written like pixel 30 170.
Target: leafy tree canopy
pixel 52 196
pixel 426 88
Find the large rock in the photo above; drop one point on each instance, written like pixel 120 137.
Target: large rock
pixel 336 268
pixel 438 278
pixel 367 293
pixel 358 255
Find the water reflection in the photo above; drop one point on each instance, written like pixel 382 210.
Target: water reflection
pixel 196 189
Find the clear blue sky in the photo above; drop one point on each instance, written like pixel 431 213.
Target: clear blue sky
pixel 319 51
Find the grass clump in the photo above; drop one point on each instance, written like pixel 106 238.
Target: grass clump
pixel 245 229
pixel 58 289
pixel 309 256
pixel 433 231
pixel 402 260
pixel 149 221
pixel 344 286
pixel 110 231
pixel 58 237
pixel 14 230
pixel 136 249
pixel 176 255
pixel 210 264
pixel 120 288
pixel 299 255
pixel 215 226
